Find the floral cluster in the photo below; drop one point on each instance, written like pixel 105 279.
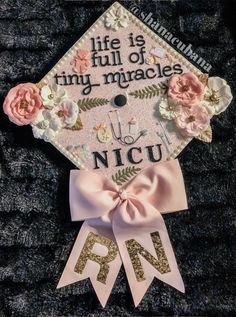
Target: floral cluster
pixel 192 101
pixel 48 109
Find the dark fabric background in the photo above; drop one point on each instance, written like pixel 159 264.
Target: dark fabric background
pixel 36 233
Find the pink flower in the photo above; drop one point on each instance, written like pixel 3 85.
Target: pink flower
pixel 186 89
pixel 23 103
pixel 81 62
pixel 68 112
pixel 192 121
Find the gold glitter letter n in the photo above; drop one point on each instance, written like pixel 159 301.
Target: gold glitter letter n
pixel 86 254
pixel 135 249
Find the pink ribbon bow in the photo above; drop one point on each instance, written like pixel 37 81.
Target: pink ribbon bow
pixel 130 218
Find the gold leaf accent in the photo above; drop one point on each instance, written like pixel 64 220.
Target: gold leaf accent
pixel 206 136
pixel 203 78
pixel 40 84
pixel 78 125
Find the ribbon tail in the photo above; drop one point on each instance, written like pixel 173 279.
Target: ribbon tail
pixel 95 242
pixel 146 251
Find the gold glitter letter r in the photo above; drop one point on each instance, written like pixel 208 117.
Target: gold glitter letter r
pixel 86 254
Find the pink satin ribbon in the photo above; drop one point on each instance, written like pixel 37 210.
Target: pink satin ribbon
pixel 120 214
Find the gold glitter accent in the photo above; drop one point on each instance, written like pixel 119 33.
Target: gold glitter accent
pixel 135 249
pixel 213 98
pixel 86 254
pixel 40 84
pixel 203 78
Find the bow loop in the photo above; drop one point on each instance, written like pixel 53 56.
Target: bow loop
pixel 162 186
pixel 91 195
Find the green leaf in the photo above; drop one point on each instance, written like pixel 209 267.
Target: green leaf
pixel 124 175
pixel 150 91
pixel 86 104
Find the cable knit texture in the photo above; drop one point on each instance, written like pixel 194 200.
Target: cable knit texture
pixel 36 231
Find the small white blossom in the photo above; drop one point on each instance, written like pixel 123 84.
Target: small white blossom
pixel 217 95
pixel 47 125
pixel 52 95
pixel 169 109
pixel 116 19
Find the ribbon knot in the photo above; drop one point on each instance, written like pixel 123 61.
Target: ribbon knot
pixel 123 194
pixel 129 231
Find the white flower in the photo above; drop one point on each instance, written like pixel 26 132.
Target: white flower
pixel 116 20
pixel 169 109
pixel 52 95
pixel 208 106
pixel 218 95
pixel 47 125
pixel 68 112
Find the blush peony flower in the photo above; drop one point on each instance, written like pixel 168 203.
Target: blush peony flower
pixel 186 89
pixel 192 121
pixel 22 103
pixel 81 62
pixel 68 111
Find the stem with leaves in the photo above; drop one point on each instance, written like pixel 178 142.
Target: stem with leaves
pixel 124 175
pixel 150 91
pixel 86 104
